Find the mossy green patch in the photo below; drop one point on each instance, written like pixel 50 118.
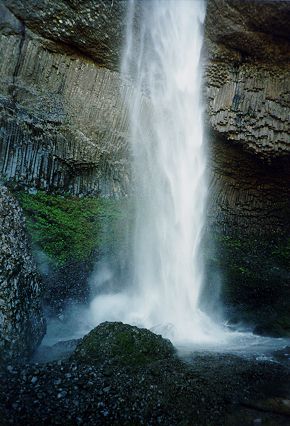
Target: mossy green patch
pixel 122 345
pixel 70 228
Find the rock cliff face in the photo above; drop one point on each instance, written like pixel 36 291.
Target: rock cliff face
pixel 22 324
pixel 249 74
pixel 248 97
pixel 247 196
pixel 63 128
pixel 95 28
pixel 247 90
pixel 63 120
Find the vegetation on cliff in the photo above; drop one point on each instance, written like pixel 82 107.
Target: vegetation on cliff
pixel 70 228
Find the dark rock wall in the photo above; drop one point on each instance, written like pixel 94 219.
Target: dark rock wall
pixel 22 324
pixel 63 128
pixel 247 196
pixel 247 91
pixel 249 104
pixel 94 28
pixel 63 118
pixel 247 82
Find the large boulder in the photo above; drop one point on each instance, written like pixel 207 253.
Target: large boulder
pixel 122 345
pixel 22 324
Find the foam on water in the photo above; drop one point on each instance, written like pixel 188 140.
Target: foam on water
pixel 162 59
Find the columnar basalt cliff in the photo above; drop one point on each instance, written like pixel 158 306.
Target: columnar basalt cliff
pixel 63 117
pixel 247 86
pixel 249 74
pixel 248 96
pixel 64 129
pixel 63 121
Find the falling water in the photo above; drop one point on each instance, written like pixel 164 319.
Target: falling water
pixel 163 61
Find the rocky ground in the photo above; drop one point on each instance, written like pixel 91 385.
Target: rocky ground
pixel 121 383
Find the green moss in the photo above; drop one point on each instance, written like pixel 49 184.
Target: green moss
pixel 122 345
pixel 69 228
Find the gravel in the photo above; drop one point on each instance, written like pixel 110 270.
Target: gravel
pixel 207 390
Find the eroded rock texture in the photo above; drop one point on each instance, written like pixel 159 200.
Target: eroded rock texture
pixel 63 120
pixel 22 324
pixel 247 196
pixel 95 28
pixel 247 88
pixel 248 98
pixel 248 75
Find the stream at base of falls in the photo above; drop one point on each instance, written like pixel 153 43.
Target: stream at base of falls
pixel 77 322
pixel 165 113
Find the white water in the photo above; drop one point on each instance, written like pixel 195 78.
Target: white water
pixel 163 60
pixel 171 191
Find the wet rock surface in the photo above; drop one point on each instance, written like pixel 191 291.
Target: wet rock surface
pixel 248 73
pixel 247 95
pixel 22 323
pixel 202 389
pixel 253 29
pixel 63 118
pixel 122 345
pixel 96 29
pixel 59 351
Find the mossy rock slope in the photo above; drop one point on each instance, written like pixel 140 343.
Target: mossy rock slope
pixel 122 345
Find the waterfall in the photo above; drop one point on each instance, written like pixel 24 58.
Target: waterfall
pixel 162 58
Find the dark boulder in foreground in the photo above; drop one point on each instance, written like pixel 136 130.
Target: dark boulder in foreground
pixel 123 345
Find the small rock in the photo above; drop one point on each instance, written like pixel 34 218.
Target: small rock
pixel 62 394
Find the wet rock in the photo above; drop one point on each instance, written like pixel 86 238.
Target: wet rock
pixel 252 29
pixel 277 328
pixel 96 29
pixel 246 91
pixel 22 323
pixel 275 405
pixel 123 345
pixel 63 122
pixel 248 74
pixel 60 350
pixel 203 391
